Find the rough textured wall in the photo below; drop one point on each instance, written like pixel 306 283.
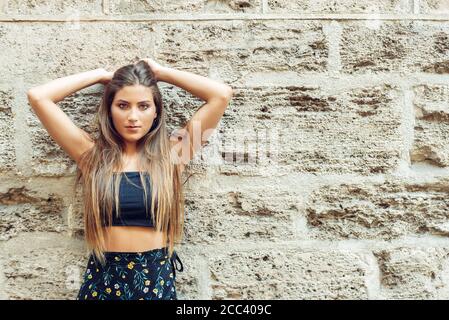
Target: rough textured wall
pixel 326 179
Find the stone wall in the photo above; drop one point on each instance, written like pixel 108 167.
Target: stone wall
pixel 327 177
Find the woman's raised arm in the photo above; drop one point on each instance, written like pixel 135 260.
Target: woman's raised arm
pixel 187 140
pixel 72 139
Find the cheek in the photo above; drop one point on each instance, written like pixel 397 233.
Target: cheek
pixel 151 117
pixel 115 119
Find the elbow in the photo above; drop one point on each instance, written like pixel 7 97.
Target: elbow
pixel 33 96
pixel 229 93
pixel 225 95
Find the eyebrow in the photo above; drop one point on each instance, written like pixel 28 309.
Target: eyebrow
pixel 121 100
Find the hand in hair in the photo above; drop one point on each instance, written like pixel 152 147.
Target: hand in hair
pixel 105 76
pixel 155 67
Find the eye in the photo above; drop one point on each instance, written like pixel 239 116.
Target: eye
pixel 121 104
pixel 145 105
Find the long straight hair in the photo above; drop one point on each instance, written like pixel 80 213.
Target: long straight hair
pixel 100 185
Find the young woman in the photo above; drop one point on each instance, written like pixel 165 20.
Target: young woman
pixel 131 173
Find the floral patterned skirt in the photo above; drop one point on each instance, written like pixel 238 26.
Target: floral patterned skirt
pixel 148 275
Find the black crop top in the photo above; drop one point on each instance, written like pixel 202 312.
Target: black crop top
pixel 131 202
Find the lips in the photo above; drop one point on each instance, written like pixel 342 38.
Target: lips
pixel 133 129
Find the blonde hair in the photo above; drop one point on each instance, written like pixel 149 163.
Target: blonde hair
pixel 154 158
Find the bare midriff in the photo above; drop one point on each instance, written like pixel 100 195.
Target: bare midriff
pixel 133 239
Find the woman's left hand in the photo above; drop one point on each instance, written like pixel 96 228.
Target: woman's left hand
pixel 105 76
pixel 155 67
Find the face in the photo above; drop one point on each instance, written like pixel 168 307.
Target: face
pixel 133 106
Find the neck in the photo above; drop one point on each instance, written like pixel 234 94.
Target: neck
pixel 130 150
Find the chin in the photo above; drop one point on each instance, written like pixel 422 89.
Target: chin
pixel 131 138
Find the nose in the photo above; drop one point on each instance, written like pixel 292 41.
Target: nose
pixel 132 116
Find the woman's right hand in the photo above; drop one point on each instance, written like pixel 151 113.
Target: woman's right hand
pixel 105 76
